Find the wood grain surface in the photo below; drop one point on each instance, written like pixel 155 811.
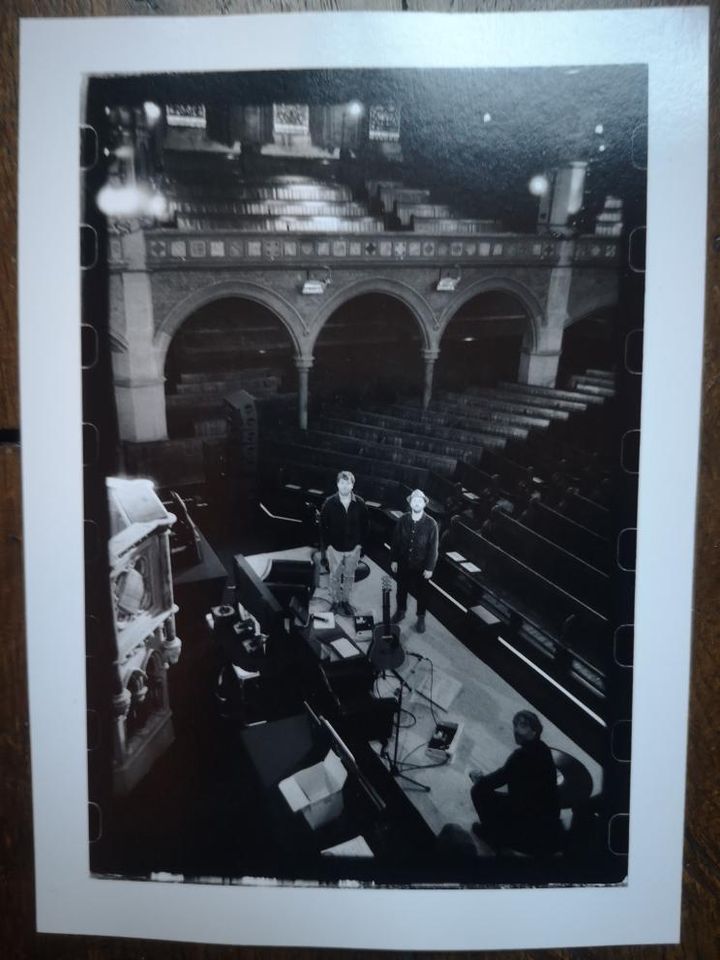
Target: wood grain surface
pixel 701 888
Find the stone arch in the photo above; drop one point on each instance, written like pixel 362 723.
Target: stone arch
pixel 241 289
pixel 418 306
pixel 528 299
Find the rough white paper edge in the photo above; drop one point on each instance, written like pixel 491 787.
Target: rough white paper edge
pixel 54 56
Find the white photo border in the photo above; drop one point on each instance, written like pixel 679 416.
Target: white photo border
pixel 55 56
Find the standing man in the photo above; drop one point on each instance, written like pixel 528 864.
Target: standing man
pixel 413 556
pixel 527 817
pixel 344 525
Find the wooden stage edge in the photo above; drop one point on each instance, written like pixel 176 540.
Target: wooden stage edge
pixel 701 888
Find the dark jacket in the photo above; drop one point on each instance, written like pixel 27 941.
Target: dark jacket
pixel 530 775
pixel 415 543
pixel 344 529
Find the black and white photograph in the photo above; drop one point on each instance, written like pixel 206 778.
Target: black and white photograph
pixel 360 363
pixel 361 349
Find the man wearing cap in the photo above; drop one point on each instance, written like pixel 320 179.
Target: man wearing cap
pixel 344 525
pixel 413 556
pixel 527 817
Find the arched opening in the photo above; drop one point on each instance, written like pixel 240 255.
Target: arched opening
pixel 588 344
pixel 481 343
pixel 227 345
pixel 370 348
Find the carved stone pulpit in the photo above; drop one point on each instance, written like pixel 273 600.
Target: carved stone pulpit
pixel 146 644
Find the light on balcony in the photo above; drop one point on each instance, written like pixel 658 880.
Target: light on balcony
pixel 316 282
pixel 152 113
pixel 539 185
pixel 449 280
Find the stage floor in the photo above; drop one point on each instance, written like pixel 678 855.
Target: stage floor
pixel 473 694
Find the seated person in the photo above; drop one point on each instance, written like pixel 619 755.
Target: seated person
pixel 527 817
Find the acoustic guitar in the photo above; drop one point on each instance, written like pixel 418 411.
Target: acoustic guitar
pixel 386 651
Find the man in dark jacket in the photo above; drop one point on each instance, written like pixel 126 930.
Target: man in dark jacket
pixel 344 525
pixel 527 817
pixel 413 556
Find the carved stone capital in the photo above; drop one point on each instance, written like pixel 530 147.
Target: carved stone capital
pixel 304 363
pixel 430 355
pixel 171 650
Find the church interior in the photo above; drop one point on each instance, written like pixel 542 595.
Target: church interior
pixel 431 279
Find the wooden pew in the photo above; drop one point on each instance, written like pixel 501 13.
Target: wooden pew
pixel 573 574
pixel 551 393
pixel 535 415
pixel 586 512
pixel 378 451
pixel 495 429
pixel 395 436
pixel 477 480
pixel 535 599
pixel 512 475
pixel 280 450
pixel 422 426
pixel 488 434
pixel 566 533
pixel 545 403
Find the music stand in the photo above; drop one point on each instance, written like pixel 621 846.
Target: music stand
pixel 384 654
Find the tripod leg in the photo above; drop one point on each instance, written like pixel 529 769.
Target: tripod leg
pixel 418 786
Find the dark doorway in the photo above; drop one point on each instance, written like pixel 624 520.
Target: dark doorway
pixel 369 349
pixel 481 344
pixel 587 344
pixel 228 345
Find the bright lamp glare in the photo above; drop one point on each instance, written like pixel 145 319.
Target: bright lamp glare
pixel 354 108
pixel 120 201
pixel 131 200
pixel 152 112
pixel 158 206
pixel 487 117
pixel 539 185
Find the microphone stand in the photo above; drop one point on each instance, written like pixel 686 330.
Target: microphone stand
pixel 425 696
pixel 384 655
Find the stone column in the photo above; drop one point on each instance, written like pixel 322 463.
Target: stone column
pixel 121 706
pixel 568 195
pixel 429 358
pixel 539 361
pixel 304 365
pixel 137 373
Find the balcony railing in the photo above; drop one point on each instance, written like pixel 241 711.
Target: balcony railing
pixel 228 248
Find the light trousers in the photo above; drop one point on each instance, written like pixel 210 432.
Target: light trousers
pixel 343 565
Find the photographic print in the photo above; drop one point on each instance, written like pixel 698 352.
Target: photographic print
pixel 360 353
pixel 371 282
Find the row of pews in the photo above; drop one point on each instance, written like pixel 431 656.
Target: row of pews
pixel 196 405
pixel 412 208
pixel 220 198
pixel 519 481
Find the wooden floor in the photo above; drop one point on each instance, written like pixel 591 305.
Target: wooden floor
pixel 485 705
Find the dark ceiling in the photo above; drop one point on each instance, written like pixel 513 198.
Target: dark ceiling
pixel 474 136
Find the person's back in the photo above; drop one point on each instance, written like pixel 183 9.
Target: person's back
pixel 532 782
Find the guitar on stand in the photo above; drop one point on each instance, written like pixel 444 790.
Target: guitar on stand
pixel 386 654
